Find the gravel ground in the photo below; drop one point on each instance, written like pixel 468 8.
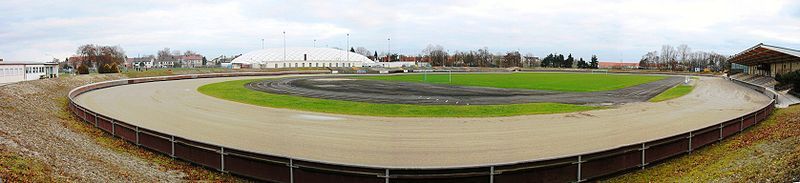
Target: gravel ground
pixel 30 126
pixel 423 93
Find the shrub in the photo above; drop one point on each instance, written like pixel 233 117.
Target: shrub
pixel 83 69
pixel 792 78
pixel 108 68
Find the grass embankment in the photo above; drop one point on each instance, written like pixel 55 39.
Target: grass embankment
pixel 192 172
pixel 569 82
pixel 768 152
pixel 236 91
pixel 674 92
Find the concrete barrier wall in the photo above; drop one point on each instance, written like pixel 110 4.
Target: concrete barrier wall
pixel 266 167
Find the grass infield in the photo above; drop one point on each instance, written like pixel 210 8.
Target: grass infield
pixel 568 82
pixel 236 91
pixel 674 92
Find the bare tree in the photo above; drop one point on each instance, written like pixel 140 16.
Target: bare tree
pixel 189 52
pixel 106 59
pixel 436 54
pixel 164 53
pixel 88 55
pixel 484 57
pixel 363 51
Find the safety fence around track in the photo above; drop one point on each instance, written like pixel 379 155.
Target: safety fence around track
pixel 265 167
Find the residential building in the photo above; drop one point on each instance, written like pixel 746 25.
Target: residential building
pixel 617 65
pixel 140 62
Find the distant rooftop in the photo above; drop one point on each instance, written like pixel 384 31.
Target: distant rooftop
pixel 2 62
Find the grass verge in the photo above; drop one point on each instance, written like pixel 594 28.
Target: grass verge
pixel 674 92
pixel 768 152
pixel 18 168
pixel 569 82
pixel 236 91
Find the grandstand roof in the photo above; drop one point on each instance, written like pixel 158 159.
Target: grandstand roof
pixel 763 54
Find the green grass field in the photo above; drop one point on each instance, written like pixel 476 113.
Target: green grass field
pixel 235 91
pixel 674 92
pixel 569 82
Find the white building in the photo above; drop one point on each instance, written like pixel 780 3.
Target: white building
pixel 392 64
pixel 11 72
pixel 300 57
pixel 140 62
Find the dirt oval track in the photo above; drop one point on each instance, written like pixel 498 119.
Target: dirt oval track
pixel 175 107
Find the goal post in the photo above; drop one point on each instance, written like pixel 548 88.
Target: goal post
pixel 599 71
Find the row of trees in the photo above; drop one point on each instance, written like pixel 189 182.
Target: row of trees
pixel 682 58
pixel 474 58
pixel 106 59
pixel 558 61
pixel 482 57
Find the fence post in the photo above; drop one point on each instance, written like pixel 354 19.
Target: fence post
pixel 644 163
pixel 222 158
pixel 720 130
pixel 579 169
pixel 386 180
pixel 113 127
pixel 291 170
pixel 172 141
pixel 95 120
pixel 741 123
pixel 690 142
pixel 491 174
pixel 137 136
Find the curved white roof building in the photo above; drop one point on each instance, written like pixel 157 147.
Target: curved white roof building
pixel 301 57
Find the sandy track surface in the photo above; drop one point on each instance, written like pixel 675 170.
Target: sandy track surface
pixel 374 91
pixel 177 108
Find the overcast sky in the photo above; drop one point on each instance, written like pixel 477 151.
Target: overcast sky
pixel 613 29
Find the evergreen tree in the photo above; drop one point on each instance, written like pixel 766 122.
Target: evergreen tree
pixel 594 63
pixel 547 60
pixel 569 61
pixel 582 64
pixel 559 61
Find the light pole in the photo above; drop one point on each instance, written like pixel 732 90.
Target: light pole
pixel 348 46
pixel 262 44
pixel 388 49
pixel 284 46
pixel 315 43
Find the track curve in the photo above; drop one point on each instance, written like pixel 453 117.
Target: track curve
pixel 175 107
pixel 220 138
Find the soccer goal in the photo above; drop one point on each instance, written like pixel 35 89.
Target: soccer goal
pixel 426 79
pixel 599 71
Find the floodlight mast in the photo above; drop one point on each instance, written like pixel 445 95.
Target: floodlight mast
pixel 284 46
pixel 388 49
